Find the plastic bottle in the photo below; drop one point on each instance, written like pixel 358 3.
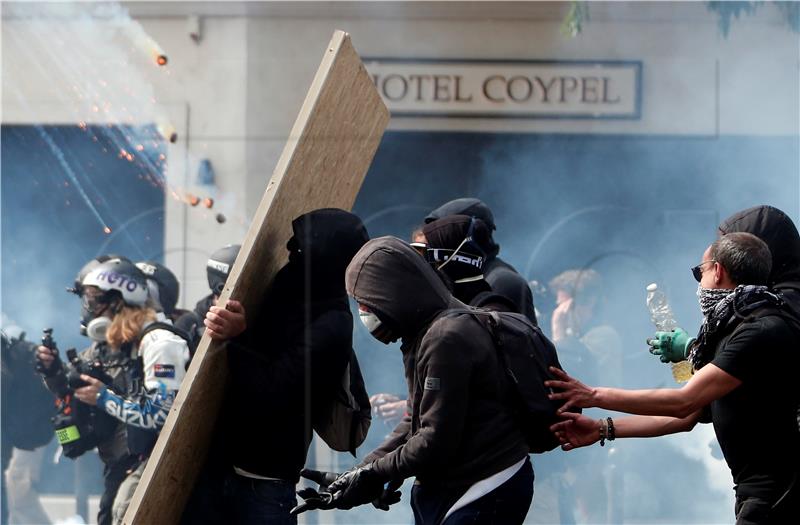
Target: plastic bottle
pixel 660 311
pixel 664 321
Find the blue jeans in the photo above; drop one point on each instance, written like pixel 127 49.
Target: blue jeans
pixel 222 496
pixel 257 501
pixel 508 504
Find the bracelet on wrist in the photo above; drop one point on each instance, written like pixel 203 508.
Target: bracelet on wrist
pixel 603 432
pixel 611 432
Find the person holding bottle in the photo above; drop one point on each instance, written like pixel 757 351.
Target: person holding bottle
pixel 745 359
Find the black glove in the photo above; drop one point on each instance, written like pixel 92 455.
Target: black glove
pixel 324 500
pixel 390 496
pixel 320 477
pixel 313 500
pixel 356 487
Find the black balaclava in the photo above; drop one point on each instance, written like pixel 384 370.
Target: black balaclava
pixel 462 236
pixel 322 246
pixel 473 208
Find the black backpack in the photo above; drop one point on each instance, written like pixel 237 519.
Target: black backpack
pixel 526 355
pixel 344 420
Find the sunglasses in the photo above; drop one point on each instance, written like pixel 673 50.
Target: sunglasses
pixel 697 271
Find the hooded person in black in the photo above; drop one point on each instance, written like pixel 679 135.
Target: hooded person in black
pixel 285 368
pixel 454 248
pixel 776 229
pixel 501 276
pixel 462 428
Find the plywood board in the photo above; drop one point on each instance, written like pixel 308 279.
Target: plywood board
pixel 323 165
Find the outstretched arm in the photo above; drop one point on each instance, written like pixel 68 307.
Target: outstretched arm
pixel 708 384
pixel 577 430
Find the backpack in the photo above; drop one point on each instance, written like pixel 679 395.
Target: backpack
pixel 525 354
pixel 343 422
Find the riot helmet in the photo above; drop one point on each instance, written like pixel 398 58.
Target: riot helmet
pixel 115 283
pixel 163 286
pixel 77 286
pixel 219 267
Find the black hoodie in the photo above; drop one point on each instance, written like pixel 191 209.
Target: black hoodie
pixel 501 276
pixel 778 231
pixel 290 359
pixel 462 427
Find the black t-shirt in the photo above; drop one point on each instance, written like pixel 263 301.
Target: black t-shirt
pixel 756 423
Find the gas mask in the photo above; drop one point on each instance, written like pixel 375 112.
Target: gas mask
pixel 376 327
pixel 97 327
pixel 93 323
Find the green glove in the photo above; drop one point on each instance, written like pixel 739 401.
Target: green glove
pixel 671 347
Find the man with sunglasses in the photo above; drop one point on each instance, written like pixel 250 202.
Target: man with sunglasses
pixel 745 360
pixel 777 230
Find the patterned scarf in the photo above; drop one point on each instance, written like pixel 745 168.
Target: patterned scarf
pixel 729 311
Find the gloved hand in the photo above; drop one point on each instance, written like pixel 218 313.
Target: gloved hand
pixel 315 499
pixel 671 346
pixel 320 477
pixel 323 500
pixel 356 487
pixel 390 496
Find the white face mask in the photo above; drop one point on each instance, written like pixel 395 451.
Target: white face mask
pixel 376 327
pixel 96 329
pixel 369 320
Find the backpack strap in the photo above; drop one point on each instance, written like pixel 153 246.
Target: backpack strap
pixel 784 312
pixel 158 325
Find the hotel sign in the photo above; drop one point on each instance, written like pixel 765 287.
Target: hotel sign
pixel 509 88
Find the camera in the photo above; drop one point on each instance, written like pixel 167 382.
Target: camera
pixel 78 366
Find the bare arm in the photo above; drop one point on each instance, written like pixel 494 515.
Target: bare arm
pixel 578 430
pixel 708 384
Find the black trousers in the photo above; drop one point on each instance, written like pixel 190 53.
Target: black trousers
pixel 783 509
pixel 508 504
pixel 113 475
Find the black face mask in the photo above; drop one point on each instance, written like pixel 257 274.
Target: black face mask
pixel 463 264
